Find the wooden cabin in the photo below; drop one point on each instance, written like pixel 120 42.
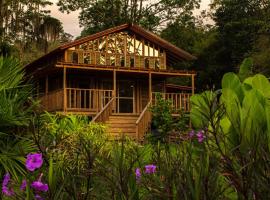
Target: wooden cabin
pixel 112 76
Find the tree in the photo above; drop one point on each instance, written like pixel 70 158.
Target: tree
pixel 238 23
pixel 26 28
pixel 101 14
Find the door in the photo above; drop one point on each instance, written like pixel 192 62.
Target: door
pixel 125 96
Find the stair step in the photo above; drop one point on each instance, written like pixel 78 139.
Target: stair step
pixel 122 125
pixel 123 118
pixel 122 130
pixel 120 135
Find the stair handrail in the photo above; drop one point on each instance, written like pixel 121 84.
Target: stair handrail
pixel 143 121
pixel 105 113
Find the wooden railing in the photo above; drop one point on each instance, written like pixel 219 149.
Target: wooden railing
pixel 53 101
pixel 115 59
pixel 144 122
pixel 105 113
pixel 180 101
pixel 90 100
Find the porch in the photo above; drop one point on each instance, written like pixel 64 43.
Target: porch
pixel 92 101
pixel 119 98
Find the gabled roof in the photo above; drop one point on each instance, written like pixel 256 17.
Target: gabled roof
pixel 172 50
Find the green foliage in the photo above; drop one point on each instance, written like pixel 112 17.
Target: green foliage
pixel 148 14
pixel 163 122
pixel 238 122
pixel 27 28
pixel 162 115
pixel 15 115
pixel 246 69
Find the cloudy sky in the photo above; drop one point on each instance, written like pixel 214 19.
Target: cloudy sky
pixel 71 22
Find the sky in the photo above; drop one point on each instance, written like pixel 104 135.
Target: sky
pixel 71 21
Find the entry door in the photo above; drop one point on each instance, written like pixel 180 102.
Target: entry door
pixel 125 97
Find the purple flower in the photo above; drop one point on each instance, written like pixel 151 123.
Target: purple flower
pixel 150 169
pixel 191 134
pixel 34 161
pixel 5 190
pixel 39 186
pixel 38 197
pixel 23 185
pixel 200 136
pixel 138 174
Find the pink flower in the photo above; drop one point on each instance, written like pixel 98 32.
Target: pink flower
pixel 5 190
pixel 200 136
pixel 23 185
pixel 138 174
pixel 38 197
pixel 191 134
pixel 150 169
pixel 39 186
pixel 34 161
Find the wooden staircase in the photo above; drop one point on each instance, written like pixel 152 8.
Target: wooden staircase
pixel 131 125
pixel 120 125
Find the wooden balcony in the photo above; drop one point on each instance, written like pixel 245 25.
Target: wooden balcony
pixel 96 58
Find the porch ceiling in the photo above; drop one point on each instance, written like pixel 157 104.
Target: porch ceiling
pixel 131 71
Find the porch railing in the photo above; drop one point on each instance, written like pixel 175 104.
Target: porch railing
pixel 87 99
pixel 105 113
pixel 180 101
pixel 144 121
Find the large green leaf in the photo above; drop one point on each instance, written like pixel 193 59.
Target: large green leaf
pixel 246 68
pixel 253 118
pixel 201 108
pixel 233 107
pixel 267 114
pixel 261 83
pixel 232 81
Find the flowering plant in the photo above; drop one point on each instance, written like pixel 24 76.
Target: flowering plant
pixel 33 163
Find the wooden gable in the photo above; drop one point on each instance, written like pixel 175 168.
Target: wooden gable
pixel 125 45
pixel 121 49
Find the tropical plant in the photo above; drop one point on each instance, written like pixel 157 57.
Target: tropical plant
pixel 15 113
pixel 237 118
pixel 163 122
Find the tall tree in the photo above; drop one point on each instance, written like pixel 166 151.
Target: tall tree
pixel 238 23
pixel 101 14
pixel 26 28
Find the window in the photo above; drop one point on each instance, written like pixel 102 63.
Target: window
pixel 75 57
pixel 146 63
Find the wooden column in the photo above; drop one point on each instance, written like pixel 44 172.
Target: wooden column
pixel 47 85
pixel 46 92
pixel 193 83
pixel 114 89
pixel 150 86
pixel 64 88
pixel 134 55
pixel 125 49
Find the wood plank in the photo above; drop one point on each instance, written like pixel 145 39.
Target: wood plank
pixel 64 88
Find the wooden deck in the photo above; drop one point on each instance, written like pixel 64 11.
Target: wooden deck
pixel 101 105
pixel 91 101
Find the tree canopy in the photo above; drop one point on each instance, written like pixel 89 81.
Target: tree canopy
pixel 153 15
pixel 237 29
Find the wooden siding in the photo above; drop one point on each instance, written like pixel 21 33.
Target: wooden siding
pixel 53 101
